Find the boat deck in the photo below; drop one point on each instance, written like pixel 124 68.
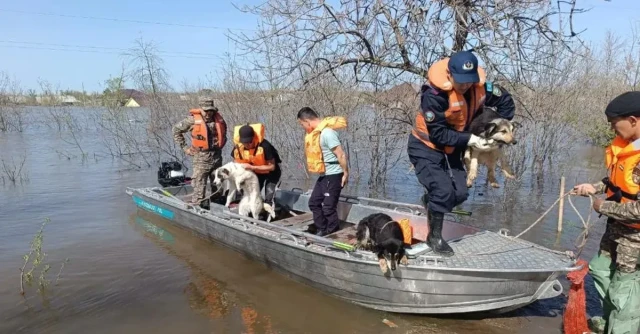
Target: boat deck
pixel 482 250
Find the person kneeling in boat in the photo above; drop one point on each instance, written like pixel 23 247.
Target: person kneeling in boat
pixel 208 137
pixel 326 158
pixel 456 90
pixel 256 154
pixel 614 269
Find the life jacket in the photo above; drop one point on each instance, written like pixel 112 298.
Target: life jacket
pixel 459 114
pixel 407 230
pixel 312 149
pixel 200 133
pixel 253 156
pixel 621 158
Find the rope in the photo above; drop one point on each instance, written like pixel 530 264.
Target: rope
pixel 584 233
pixel 206 198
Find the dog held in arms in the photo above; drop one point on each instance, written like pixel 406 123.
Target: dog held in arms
pixel 488 124
pixel 239 178
pixel 381 234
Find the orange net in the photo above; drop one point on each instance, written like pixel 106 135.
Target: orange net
pixel 575 314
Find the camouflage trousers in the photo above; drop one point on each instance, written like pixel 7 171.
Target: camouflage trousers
pixel 202 171
pixel 622 244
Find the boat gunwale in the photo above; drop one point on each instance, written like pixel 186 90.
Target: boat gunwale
pixel 319 249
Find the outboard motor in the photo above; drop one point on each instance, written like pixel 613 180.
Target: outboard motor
pixel 171 174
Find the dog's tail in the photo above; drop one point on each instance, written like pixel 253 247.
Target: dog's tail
pixel 270 210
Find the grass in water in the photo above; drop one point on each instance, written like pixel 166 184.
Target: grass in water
pixel 35 260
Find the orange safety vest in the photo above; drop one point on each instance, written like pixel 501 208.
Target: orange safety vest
pixel 459 114
pixel 253 156
pixel 200 131
pixel 407 230
pixel 312 149
pixel 621 158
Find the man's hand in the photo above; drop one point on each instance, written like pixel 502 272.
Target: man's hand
pixel 247 166
pixel 345 179
pixel 584 189
pixel 480 143
pixel 189 151
pixel 597 203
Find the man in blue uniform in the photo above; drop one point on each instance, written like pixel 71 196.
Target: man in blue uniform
pixel 456 90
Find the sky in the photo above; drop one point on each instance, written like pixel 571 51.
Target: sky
pixel 40 39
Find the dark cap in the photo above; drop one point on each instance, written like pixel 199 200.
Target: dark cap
pixel 208 104
pixel 463 66
pixel 246 134
pixel 626 104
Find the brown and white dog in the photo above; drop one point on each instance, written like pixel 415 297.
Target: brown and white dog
pixel 488 124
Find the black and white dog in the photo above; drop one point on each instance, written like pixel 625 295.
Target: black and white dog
pixel 379 233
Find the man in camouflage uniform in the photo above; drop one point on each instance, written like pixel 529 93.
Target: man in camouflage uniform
pixel 204 162
pixel 614 269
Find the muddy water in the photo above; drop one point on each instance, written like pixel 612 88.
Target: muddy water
pixel 129 272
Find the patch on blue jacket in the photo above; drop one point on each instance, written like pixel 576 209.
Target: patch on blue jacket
pixel 489 86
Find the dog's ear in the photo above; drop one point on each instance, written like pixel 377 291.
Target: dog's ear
pixel 489 128
pixel 224 172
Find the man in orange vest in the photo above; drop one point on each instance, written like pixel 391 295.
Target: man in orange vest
pixel 256 154
pixel 455 91
pixel 326 158
pixel 208 136
pixel 615 268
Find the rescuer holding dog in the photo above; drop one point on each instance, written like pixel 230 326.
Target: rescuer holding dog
pixel 455 92
pixel 208 137
pixel 615 268
pixel 256 154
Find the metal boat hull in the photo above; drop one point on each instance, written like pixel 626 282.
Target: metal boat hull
pixel 417 288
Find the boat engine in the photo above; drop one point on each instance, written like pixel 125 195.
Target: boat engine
pixel 171 174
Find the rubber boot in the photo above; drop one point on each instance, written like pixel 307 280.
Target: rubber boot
pixel 425 201
pixel 434 239
pixel 624 295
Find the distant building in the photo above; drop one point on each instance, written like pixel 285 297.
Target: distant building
pixel 66 100
pixel 132 98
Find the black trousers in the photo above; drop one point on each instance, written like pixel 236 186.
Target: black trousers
pixel 446 184
pixel 269 182
pixel 323 202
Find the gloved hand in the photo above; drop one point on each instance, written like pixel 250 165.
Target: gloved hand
pixel 480 143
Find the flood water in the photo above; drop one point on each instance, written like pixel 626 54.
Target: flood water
pixel 130 272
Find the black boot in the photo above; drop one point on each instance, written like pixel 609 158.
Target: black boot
pixel 434 239
pixel 425 201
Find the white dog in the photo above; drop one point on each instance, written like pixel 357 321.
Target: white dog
pixel 239 178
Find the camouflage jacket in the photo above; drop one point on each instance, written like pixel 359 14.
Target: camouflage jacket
pixel 185 126
pixel 621 211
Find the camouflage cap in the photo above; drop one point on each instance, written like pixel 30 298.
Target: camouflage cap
pixel 208 104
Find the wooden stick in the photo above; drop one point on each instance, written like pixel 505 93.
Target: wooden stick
pixel 561 205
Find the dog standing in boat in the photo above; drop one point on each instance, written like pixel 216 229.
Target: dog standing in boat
pixel 239 178
pixel 488 124
pixel 379 233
